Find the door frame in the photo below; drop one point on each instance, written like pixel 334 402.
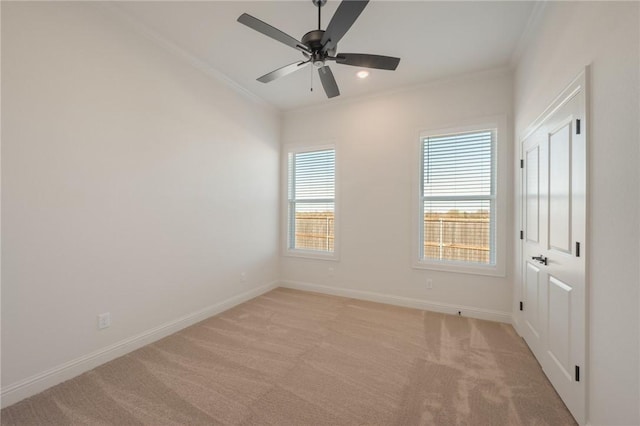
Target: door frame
pixel 579 83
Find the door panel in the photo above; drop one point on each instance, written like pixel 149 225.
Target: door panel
pixel 559 318
pixel 532 285
pixel 532 183
pixel 560 188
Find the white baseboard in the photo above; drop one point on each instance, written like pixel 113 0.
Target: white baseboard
pixel 516 324
pixel 39 382
pixel 467 311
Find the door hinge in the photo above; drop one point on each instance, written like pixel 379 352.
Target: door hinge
pixel 577 126
pixel 577 249
pixel 521 306
pixel 522 235
pixel 577 373
pixel 522 164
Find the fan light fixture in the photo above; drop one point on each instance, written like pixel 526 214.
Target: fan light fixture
pixel 363 74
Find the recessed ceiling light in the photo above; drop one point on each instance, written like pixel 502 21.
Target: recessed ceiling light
pixel 363 74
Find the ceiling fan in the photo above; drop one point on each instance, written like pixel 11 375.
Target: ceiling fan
pixel 319 46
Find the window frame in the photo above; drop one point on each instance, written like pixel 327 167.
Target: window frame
pixel 286 227
pixel 498 214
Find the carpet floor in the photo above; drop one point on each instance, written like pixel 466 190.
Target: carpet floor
pixel 291 357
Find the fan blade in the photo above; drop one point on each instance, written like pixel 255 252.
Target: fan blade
pixel 328 82
pixel 368 61
pixel 281 72
pixel 342 20
pixel 274 33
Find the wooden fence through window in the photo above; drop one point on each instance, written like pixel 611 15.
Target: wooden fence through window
pixel 462 237
pixel 315 231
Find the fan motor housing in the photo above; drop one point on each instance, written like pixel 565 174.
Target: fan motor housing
pixel 313 40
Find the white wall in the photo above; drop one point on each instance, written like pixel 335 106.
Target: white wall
pixel 377 156
pixel 132 183
pixel 606 35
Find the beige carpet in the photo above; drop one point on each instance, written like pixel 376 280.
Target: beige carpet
pixel 297 358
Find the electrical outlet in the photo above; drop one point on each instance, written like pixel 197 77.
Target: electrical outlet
pixel 243 276
pixel 104 320
pixel 429 283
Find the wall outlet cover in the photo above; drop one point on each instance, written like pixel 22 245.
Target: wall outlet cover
pixel 104 320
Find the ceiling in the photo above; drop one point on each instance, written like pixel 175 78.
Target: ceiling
pixel 434 39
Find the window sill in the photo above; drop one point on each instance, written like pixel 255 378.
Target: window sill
pixel 461 268
pixel 308 254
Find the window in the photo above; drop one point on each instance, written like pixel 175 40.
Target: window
pixel 458 199
pixel 311 202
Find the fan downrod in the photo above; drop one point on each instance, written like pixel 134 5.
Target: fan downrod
pixel 319 4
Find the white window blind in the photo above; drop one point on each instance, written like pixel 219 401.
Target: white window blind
pixel 458 197
pixel 311 199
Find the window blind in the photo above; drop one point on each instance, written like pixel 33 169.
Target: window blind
pixel 458 164
pixel 314 175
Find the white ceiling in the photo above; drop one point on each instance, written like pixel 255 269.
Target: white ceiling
pixel 433 39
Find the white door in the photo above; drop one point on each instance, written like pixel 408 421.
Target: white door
pixel 553 265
